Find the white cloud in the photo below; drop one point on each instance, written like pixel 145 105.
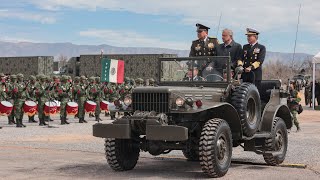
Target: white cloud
pixel 130 39
pixel 43 18
pixel 263 14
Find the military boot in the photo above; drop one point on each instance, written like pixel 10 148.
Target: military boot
pixel 42 122
pixel 63 120
pixel 11 120
pixel 22 123
pixel 106 114
pixel 31 119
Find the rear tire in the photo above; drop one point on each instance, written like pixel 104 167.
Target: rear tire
pixel 122 154
pixel 277 142
pixel 246 100
pixel 215 148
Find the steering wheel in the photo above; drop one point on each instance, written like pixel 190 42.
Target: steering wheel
pixel 216 75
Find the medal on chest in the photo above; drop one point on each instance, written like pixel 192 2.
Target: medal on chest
pixel 198 47
pixel 210 45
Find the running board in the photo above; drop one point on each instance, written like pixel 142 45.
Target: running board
pixel 257 136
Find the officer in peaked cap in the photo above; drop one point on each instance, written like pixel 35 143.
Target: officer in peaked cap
pixel 204 45
pixel 253 57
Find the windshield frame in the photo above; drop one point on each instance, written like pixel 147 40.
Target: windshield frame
pixel 195 83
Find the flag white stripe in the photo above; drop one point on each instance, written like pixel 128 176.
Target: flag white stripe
pixel 113 68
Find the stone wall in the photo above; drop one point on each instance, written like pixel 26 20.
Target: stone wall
pixel 32 65
pixel 136 65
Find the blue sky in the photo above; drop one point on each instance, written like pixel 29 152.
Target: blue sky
pixel 165 23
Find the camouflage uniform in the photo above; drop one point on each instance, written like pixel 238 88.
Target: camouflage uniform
pixel 75 87
pixel 13 80
pixel 82 97
pixel 43 95
pixel 294 106
pixel 64 94
pixel 20 95
pixel 98 99
pixel 31 90
pixel 3 89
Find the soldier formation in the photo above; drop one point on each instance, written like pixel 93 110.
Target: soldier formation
pixel 41 90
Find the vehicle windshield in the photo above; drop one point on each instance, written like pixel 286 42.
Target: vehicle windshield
pixel 204 69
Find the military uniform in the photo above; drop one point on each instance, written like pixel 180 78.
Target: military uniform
pixel 253 56
pixel 32 94
pixel 82 97
pixel 43 95
pixel 75 87
pixel 13 80
pixel 64 94
pixel 20 95
pixel 94 94
pixel 294 106
pixel 3 89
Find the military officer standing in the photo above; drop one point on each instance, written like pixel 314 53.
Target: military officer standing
pixel 204 45
pixel 253 57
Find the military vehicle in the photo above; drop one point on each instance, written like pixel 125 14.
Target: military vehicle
pixel 200 108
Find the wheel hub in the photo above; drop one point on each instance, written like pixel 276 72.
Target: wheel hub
pixel 278 141
pixel 222 148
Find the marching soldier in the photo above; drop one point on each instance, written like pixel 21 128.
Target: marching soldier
pixel 3 89
pixel 64 95
pixel 20 95
pixel 42 93
pixel 294 104
pixel 76 86
pixel 31 90
pixel 82 97
pixel 253 57
pixel 13 81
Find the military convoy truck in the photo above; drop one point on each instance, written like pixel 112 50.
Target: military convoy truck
pixel 200 108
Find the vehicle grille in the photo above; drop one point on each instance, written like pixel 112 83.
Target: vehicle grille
pixel 158 102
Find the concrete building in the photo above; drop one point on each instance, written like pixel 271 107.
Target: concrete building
pixel 29 65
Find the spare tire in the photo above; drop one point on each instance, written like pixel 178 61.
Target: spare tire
pixel 246 100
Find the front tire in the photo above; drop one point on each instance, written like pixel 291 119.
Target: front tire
pixel 122 154
pixel 215 148
pixel 277 142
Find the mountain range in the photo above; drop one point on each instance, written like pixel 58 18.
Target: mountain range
pixel 9 49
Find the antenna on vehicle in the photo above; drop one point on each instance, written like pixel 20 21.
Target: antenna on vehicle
pixel 219 24
pixel 295 42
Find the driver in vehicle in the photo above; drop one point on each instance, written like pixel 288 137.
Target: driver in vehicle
pixel 196 76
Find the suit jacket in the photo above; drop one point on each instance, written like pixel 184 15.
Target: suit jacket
pixel 254 57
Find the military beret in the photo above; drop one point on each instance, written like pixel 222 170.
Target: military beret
pixel 201 27
pixel 251 31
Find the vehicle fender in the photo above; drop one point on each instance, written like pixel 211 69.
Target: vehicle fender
pixel 271 112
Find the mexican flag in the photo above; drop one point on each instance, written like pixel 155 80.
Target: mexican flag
pixel 112 70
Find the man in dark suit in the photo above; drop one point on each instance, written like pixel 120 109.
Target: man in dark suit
pixel 252 59
pixel 230 47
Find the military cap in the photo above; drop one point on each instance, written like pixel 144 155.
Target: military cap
pixel 43 77
pixel 32 78
pixel 2 75
pixel 64 78
pixel 97 79
pixel 201 27
pixel 92 78
pixel 251 31
pixel 20 75
pixel 127 79
pixel 38 76
pixel 139 80
pixel 83 78
pixel 13 76
pixel 77 78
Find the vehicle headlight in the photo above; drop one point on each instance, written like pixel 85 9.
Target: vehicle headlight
pixel 127 101
pixel 180 101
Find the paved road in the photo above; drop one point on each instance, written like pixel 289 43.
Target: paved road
pixel 70 152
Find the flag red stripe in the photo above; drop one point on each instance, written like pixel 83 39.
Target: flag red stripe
pixel 120 75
